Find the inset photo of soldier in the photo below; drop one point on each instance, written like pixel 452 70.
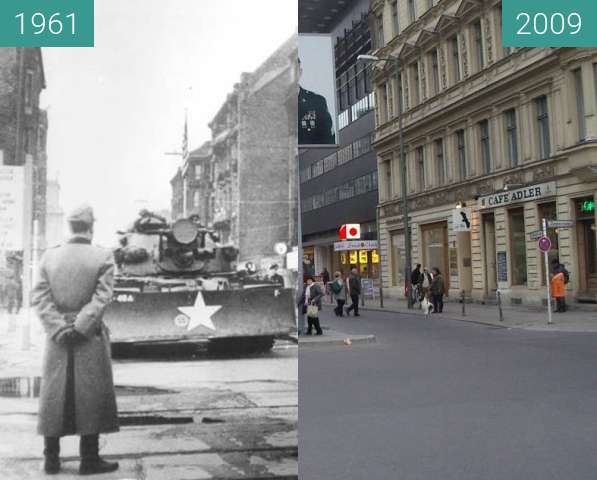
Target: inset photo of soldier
pixel 316 96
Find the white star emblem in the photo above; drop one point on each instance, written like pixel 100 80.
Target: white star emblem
pixel 200 314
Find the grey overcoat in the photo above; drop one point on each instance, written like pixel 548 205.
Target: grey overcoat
pixel 75 284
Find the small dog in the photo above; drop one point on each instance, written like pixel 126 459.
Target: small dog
pixel 426 306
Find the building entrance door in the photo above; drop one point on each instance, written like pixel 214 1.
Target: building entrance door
pixel 587 248
pixel 435 249
pixel 490 254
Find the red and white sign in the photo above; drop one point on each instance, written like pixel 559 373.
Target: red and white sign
pixel 350 231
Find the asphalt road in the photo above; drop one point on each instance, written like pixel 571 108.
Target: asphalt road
pixel 441 399
pixel 182 417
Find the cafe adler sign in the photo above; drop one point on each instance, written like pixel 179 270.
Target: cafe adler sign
pixel 526 194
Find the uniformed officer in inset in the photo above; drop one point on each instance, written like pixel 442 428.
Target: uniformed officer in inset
pixel 74 286
pixel 314 120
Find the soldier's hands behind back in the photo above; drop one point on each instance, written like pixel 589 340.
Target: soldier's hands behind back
pixel 69 337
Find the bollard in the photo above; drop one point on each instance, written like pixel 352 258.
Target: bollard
pixel 463 303
pixel 499 303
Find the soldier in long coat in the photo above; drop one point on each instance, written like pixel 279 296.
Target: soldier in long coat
pixel 77 396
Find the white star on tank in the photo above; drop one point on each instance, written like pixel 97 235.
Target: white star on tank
pixel 200 314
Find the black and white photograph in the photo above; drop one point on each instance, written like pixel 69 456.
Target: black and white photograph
pixel 149 247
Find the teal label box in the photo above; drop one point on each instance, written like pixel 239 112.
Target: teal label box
pixel 46 23
pixel 549 23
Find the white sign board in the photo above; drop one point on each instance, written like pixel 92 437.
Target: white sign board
pixel 12 196
pixel 355 245
pixel 461 219
pixel 526 194
pixel 560 223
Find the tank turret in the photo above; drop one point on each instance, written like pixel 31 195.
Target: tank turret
pixel 152 246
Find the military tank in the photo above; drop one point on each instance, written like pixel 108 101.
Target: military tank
pixel 175 284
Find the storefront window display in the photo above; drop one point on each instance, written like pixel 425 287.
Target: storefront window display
pixel 308 261
pixel 435 248
pixel 587 244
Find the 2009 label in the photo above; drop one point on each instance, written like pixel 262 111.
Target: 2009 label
pixel 540 24
pixel 549 23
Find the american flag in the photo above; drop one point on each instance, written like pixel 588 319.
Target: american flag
pixel 185 139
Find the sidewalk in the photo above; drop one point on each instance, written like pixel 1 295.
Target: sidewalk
pixel 528 318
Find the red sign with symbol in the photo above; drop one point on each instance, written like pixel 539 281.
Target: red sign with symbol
pixel 544 244
pixel 350 231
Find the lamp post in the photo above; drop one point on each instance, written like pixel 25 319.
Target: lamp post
pixel 405 219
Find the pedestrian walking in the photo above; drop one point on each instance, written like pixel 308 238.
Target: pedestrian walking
pixel 414 283
pixel 338 287
pixel 311 301
pixel 354 290
pixel 77 395
pixel 558 289
pixel 425 280
pixel 437 291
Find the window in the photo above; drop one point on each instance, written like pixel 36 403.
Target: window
pixel 196 199
pixel 329 162
pixel 518 247
pixel 478 34
pixel 435 71
pixel 580 105
pixel 383 111
pixel 388 179
pixel 318 201
pixel 439 162
pixel 361 146
pixel 305 174
pixel 389 94
pixel 411 11
pixel 460 142
pixel 343 120
pixel 331 196
pixel 485 146
pixel 416 94
pixel 543 127
pixel 197 171
pixel 395 20
pixel 29 88
pixel 401 94
pixel 380 37
pixel 420 159
pixel 455 58
pixel 512 137
pixel 345 155
pixel 317 168
pixel 346 191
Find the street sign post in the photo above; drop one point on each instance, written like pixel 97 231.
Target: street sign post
pixel 560 224
pixel 545 246
pixel 536 234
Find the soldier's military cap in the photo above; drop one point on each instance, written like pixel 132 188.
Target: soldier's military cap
pixel 82 213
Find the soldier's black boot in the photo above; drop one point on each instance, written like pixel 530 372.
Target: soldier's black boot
pixel 91 462
pixel 51 455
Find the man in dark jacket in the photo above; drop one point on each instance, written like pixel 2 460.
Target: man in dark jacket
pixel 77 391
pixel 354 290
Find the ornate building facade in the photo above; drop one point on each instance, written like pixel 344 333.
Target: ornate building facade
pixel 505 136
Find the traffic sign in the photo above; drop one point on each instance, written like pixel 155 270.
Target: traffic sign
pixel 560 223
pixel 544 244
pixel 536 235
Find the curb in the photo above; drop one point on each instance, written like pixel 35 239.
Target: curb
pixel 336 341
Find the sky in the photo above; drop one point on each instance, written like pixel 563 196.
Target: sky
pixel 115 109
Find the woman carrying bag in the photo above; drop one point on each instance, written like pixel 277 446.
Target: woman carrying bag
pixel 311 305
pixel 339 291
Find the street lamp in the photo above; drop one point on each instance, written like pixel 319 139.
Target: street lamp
pixel 405 221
